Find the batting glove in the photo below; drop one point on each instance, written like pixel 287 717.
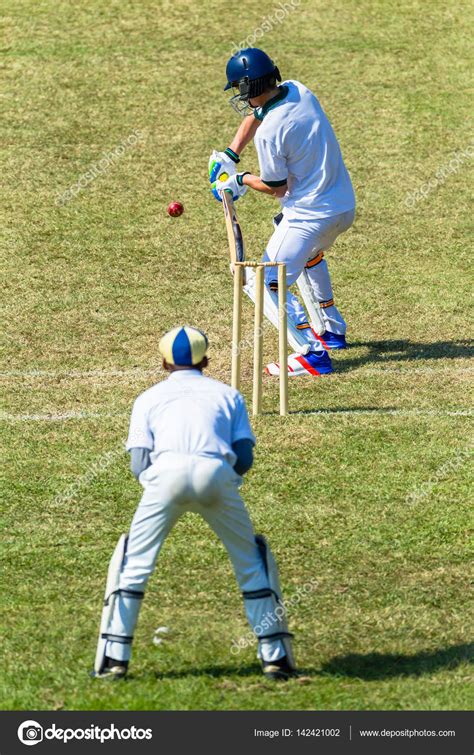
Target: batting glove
pixel 234 184
pixel 222 163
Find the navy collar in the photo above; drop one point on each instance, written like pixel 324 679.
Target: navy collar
pixel 262 111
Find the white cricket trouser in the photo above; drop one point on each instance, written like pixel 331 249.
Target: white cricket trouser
pixel 177 483
pixel 296 242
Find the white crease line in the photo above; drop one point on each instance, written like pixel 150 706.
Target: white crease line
pixel 395 412
pixel 410 370
pixel 78 374
pixel 58 417
pixel 64 416
pixel 138 372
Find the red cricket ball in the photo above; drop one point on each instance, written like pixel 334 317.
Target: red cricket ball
pixel 175 209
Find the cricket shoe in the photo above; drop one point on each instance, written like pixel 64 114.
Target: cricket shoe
pixel 312 363
pixel 332 340
pixel 113 670
pixel 279 670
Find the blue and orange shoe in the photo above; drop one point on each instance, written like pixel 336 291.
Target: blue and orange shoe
pixel 313 363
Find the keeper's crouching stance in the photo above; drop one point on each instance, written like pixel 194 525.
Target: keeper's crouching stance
pixel 191 442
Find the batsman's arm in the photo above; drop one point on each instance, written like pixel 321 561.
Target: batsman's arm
pixel 245 134
pixel 278 191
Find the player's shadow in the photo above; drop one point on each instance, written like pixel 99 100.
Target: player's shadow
pixel 367 666
pixel 376 666
pixel 215 671
pixel 344 410
pixel 385 352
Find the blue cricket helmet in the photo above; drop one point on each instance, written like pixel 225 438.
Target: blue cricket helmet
pixel 251 71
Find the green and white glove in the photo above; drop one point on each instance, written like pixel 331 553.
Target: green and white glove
pixel 234 184
pixel 221 166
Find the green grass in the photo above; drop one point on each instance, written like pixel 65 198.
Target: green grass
pixel 91 285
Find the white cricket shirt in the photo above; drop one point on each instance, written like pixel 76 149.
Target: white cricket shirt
pixel 296 142
pixel 189 413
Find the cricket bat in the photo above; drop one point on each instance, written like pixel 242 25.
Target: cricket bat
pixel 234 232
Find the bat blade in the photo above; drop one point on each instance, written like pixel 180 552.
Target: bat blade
pixel 234 232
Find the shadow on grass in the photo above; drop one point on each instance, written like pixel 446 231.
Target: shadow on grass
pixel 383 352
pixel 215 671
pixel 345 410
pixel 370 666
pixel 373 666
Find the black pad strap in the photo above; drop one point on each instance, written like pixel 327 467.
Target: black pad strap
pixel 131 594
pixel 265 592
pixel 117 638
pixel 275 636
pixel 126 594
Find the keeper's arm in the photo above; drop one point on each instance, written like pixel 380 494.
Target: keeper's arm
pixel 243 449
pixel 139 460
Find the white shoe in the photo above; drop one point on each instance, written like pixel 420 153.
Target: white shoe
pixel 314 363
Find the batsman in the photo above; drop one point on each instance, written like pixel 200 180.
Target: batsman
pixel 191 443
pixel 302 166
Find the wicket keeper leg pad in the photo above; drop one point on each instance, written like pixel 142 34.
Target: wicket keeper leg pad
pixel 127 601
pixel 271 613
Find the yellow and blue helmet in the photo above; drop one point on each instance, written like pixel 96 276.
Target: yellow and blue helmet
pixel 183 346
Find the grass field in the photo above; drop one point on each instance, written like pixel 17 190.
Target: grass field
pixel 364 487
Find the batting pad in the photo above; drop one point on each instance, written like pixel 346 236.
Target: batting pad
pixel 296 338
pixel 312 306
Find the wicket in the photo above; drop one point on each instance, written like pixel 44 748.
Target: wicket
pixel 258 335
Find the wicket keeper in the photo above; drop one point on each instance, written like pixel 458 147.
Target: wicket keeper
pixel 190 443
